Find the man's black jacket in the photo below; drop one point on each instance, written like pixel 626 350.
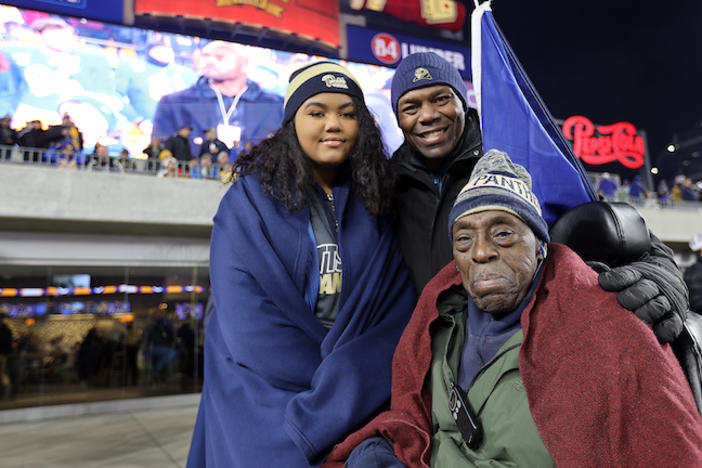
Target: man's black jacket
pixel 423 209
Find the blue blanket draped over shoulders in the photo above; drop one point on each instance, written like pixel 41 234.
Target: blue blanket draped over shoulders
pixel 279 388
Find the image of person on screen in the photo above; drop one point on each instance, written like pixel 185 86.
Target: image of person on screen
pixel 223 98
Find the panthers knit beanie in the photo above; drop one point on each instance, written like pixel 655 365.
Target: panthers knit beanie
pixel 499 184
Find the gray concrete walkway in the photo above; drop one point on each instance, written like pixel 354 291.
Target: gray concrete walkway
pixel 153 432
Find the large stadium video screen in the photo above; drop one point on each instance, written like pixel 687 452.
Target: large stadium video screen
pixel 123 85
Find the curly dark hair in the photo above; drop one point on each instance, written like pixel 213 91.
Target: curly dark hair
pixel 285 172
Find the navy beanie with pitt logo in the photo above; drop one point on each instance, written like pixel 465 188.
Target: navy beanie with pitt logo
pixel 425 69
pixel 318 77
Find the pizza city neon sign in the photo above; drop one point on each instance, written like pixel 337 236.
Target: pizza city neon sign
pixel 602 144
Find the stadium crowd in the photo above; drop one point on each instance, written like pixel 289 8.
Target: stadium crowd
pixel 62 146
pixel 683 190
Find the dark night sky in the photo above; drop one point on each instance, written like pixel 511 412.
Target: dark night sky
pixel 612 61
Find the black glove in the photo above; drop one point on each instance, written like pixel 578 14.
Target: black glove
pixel 652 288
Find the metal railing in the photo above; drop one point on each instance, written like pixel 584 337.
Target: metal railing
pixel 114 164
pixel 173 168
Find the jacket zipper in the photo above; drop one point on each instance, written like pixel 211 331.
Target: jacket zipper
pixel 330 199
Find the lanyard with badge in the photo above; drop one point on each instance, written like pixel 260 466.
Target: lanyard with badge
pixel 229 134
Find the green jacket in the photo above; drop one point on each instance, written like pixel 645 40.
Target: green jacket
pixel 497 396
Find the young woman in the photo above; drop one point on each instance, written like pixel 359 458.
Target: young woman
pixel 310 289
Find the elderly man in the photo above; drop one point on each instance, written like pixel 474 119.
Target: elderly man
pixel 223 98
pixel 442 144
pixel 515 356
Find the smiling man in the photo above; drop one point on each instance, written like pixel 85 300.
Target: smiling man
pixel 442 145
pixel 515 356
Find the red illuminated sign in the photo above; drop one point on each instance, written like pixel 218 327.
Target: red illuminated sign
pixel 602 144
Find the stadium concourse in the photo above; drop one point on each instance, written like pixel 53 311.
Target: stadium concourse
pixel 153 432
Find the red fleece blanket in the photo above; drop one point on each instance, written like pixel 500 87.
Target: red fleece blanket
pixel 602 391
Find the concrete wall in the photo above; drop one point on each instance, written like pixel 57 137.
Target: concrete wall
pixel 46 193
pixel 68 217
pixel 674 225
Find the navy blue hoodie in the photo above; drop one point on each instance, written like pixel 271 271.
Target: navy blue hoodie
pixel 279 388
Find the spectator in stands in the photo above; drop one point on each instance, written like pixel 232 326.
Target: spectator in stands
pixel 206 169
pixel 623 192
pixel 169 166
pixel 194 168
pixel 607 187
pixel 153 153
pixel 663 192
pixel 125 161
pixel 67 157
pixel 212 145
pixel 154 149
pixel 693 274
pixel 63 134
pixel 71 133
pixel 688 191
pixel 178 144
pixel 637 192
pixel 676 190
pixel 223 98
pixel 8 137
pixel 225 167
pixel 100 160
pixel 32 136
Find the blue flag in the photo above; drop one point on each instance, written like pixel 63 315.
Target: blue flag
pixel 515 120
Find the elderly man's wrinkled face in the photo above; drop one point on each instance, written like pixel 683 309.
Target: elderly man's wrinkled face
pixel 497 256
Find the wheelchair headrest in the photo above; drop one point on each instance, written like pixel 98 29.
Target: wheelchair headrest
pixel 612 233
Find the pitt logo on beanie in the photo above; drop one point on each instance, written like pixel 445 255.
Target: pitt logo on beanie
pixel 421 73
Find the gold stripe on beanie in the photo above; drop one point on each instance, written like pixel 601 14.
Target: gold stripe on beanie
pixel 510 184
pixel 314 71
pixel 481 208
